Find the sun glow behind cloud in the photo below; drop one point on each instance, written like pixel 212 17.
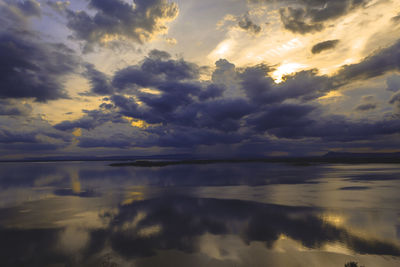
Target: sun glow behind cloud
pixel 276 45
pixel 286 69
pixel 222 50
pixel 84 111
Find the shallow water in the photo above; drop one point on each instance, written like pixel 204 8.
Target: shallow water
pixel 250 214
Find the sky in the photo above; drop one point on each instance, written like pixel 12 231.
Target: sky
pixel 227 78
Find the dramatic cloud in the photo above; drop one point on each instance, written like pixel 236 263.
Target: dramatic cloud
pixel 22 133
pixel 283 115
pixel 380 62
pixel 92 119
pixel 294 20
pixel 173 108
pixel 306 16
pixel 326 45
pixel 30 68
pixel 246 24
pixel 262 90
pixel 116 19
pixel 100 83
pixel 292 93
pixel 157 70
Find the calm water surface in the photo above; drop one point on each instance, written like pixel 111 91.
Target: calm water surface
pixel 251 214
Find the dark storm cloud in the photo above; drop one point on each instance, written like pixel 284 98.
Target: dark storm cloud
pixel 339 128
pixel 157 70
pixel 246 24
pixel 188 118
pixel 184 112
pixel 294 20
pixel 139 21
pixel 173 96
pixel 223 114
pixel 306 16
pixel 382 61
pixel 90 120
pixel 262 90
pixel 158 54
pixel 322 46
pixel 279 116
pixel 212 91
pixel 172 70
pixel 29 67
pixel 176 82
pixel 100 83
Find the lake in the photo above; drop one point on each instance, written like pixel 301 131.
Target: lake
pixel 242 214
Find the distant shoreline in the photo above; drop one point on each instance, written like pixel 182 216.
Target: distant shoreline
pixel 295 161
pixel 181 159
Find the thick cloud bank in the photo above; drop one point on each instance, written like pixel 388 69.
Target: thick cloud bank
pixel 116 19
pixel 169 105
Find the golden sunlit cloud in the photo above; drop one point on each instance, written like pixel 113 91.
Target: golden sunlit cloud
pixel 150 91
pixel 77 132
pixel 131 197
pixel 277 45
pixel 140 124
pixel 222 50
pixel 106 38
pixel 286 69
pixel 334 219
pixel 330 95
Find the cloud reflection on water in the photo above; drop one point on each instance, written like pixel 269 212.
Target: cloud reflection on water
pixel 177 223
pixel 223 215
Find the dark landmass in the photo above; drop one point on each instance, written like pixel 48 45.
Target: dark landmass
pixel 105 158
pixel 179 159
pixel 330 157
